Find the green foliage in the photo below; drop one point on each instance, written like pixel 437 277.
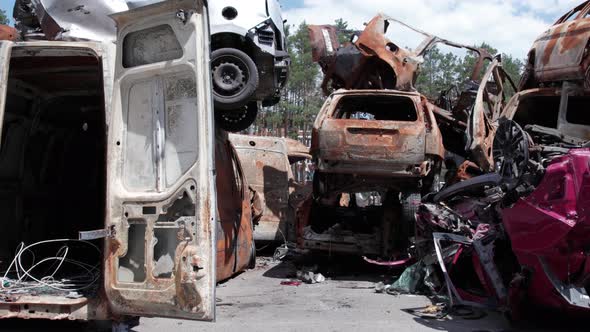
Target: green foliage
pixel 344 33
pixel 440 71
pixel 301 99
pixel 3 17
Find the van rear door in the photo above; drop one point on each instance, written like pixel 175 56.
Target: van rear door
pixel 160 258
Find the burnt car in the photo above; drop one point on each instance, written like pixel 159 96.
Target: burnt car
pixel 375 153
pixel 275 169
pixel 108 162
pixel 372 61
pixel 249 59
pixel 560 53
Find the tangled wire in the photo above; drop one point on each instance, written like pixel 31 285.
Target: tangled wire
pixel 28 278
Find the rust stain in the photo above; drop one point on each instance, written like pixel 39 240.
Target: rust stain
pixel 8 33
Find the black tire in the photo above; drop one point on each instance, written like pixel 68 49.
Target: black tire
pixel 511 152
pixel 237 120
pixel 234 77
pixel 252 262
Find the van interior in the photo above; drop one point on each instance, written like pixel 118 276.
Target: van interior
pixel 52 167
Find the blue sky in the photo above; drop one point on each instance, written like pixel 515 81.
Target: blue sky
pixel 6 6
pixel 509 25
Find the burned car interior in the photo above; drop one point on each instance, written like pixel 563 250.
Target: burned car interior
pixel 376 108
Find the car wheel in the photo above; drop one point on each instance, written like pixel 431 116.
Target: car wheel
pixel 237 120
pixel 235 78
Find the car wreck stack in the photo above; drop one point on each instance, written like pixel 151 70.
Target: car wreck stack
pixel 487 195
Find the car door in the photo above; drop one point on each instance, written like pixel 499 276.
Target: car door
pixel 160 256
pixel 489 103
pixel 266 170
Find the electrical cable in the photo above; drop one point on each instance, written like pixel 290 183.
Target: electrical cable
pixel 27 281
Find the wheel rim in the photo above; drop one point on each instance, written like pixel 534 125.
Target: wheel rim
pixel 510 152
pixel 235 116
pixel 230 75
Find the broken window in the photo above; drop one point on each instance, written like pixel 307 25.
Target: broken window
pixel 161 121
pixel 150 45
pixel 538 110
pixel 577 111
pixel 376 108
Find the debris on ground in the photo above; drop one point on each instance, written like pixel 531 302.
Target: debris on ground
pixel 310 277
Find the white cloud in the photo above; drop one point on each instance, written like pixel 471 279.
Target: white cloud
pixel 511 26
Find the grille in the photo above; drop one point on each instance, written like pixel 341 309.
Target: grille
pixel 266 37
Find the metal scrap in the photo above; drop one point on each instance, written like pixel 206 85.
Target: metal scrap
pixel 372 61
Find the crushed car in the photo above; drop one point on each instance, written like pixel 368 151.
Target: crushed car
pixel 109 155
pixel 269 165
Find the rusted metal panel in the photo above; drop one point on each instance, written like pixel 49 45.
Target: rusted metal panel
pixel 433 144
pixel 266 162
pixel 234 230
pixel 375 147
pixel 489 104
pixel 267 170
pixel 561 53
pixel 374 61
pixel 372 42
pixel 296 151
pixel 324 41
pixel 8 33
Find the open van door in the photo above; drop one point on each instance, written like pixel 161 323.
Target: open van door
pixel 160 257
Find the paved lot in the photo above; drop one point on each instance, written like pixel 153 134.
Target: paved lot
pixel 256 301
pixel 346 301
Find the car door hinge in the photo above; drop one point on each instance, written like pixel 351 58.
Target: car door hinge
pixel 97 234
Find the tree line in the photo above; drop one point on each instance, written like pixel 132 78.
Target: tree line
pixel 302 98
